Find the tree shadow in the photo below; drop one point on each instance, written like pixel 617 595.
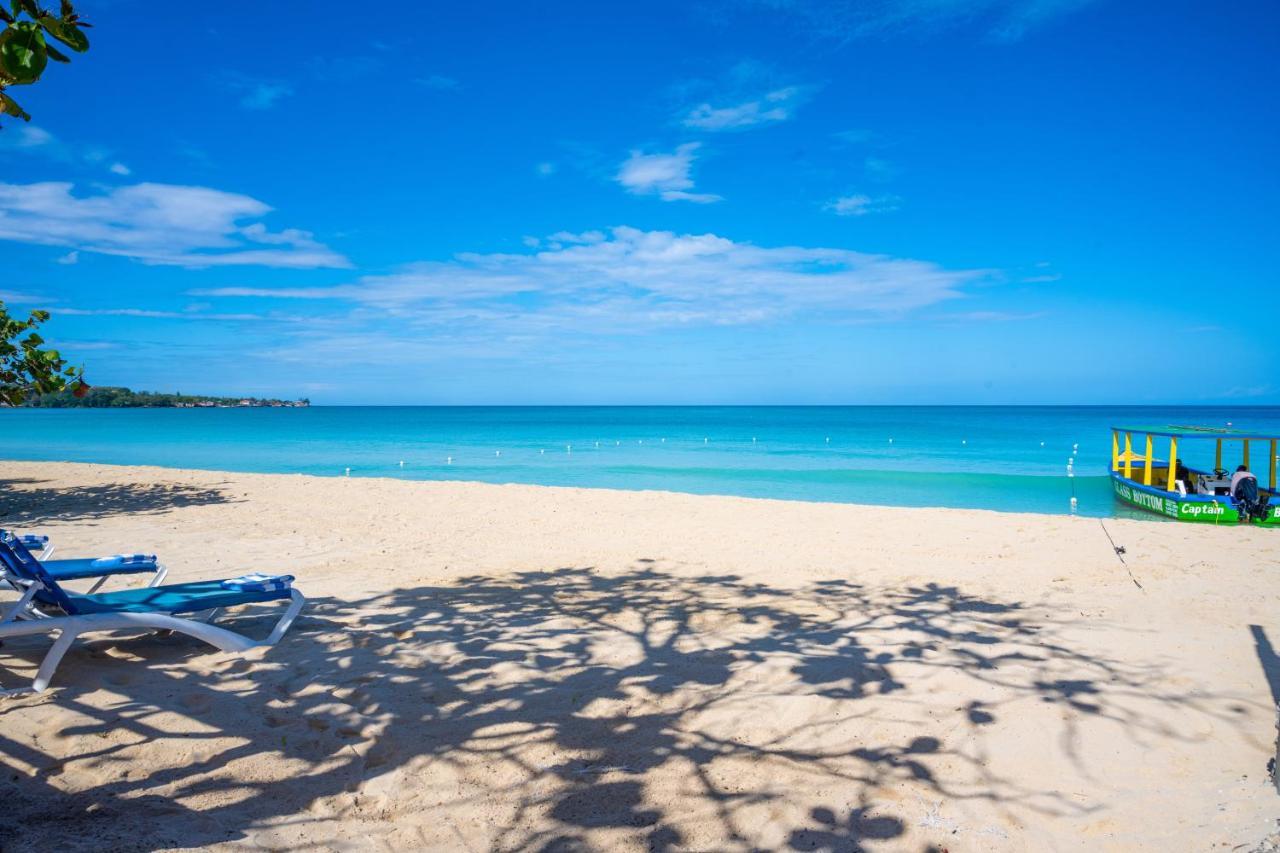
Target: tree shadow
pixel 573 710
pixel 1268 660
pixel 24 500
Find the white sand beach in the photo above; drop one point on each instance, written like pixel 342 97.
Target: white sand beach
pixel 529 668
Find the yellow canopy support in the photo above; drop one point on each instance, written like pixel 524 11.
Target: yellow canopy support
pixel 1115 450
pixel 1128 456
pixel 1246 453
pixel 1173 465
pixel 1273 466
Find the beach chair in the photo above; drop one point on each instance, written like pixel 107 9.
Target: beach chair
pixel 185 608
pixel 40 545
pixel 101 568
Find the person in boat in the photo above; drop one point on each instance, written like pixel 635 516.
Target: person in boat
pixel 1244 488
pixel 1180 472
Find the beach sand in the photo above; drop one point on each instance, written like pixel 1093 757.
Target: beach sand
pixel 518 667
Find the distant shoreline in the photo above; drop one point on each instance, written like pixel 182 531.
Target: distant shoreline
pixel 115 397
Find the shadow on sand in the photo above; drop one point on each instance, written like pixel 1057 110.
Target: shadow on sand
pixel 572 710
pixel 35 502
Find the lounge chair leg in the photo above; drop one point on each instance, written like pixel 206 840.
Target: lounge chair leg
pixel 17 609
pixel 47 666
pixel 69 628
pixel 296 601
pixel 159 576
pixel 50 663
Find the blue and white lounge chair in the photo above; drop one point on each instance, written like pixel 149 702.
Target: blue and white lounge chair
pixel 36 543
pixel 101 568
pixel 47 608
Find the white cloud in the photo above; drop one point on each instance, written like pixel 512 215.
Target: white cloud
pixel 860 205
pixel 994 316
pixel 72 257
pixel 30 139
pixel 628 280
pixel 775 106
pixel 157 315
pixel 255 93
pixel 439 82
pixel 546 169
pixel 879 169
pixel 17 298
pixel 157 224
pixel 263 95
pixel 1007 20
pixel 664 175
pixel 30 136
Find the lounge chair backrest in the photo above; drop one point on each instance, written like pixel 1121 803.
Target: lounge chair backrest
pixel 23 564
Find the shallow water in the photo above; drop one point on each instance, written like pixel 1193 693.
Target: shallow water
pixel 990 457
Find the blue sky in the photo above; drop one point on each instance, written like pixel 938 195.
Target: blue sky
pixel 778 201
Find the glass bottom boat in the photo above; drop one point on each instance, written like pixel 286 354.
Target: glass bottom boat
pixel 1184 493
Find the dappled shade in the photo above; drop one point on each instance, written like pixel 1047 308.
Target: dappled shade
pixel 581 709
pixel 37 501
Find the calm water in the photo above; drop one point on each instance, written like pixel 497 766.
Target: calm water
pixel 1002 458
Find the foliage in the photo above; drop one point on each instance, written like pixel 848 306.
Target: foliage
pixel 25 48
pixel 110 397
pixel 26 368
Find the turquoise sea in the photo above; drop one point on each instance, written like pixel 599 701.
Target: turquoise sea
pixel 994 457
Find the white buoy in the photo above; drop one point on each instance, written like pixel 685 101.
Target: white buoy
pixel 641 441
pixel 828 439
pixel 497 453
pixel 1042 444
pixel 1071 473
pixel 401 463
pixel 617 443
pixel 964 441
pixel 541 451
pixel 448 460
pixel 705 440
pixel 753 439
pixel 891 441
pixel 568 448
pixel 1073 503
pixel 664 441
pixel 597 444
pixel 348 472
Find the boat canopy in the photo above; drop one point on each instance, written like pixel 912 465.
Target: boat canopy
pixel 1172 431
pixel 1123 456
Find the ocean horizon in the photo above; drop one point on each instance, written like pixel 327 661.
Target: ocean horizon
pixel 1004 458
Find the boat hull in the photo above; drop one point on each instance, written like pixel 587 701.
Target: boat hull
pixel 1206 509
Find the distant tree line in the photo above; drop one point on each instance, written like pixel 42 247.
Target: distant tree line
pixel 107 397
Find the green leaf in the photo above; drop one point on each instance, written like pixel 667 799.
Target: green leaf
pixel 55 54
pixel 68 34
pixel 22 52
pixel 8 106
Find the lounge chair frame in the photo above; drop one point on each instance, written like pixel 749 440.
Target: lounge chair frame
pixel 71 627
